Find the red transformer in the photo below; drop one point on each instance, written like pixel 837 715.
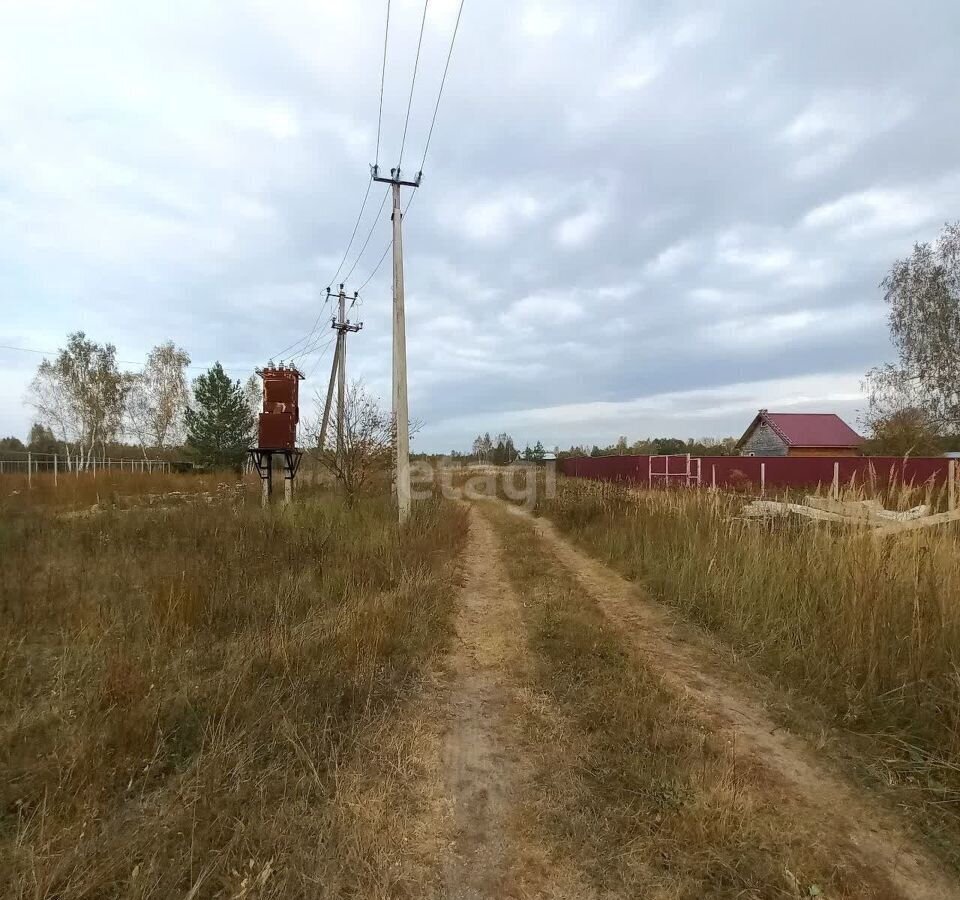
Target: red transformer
pixel 281 408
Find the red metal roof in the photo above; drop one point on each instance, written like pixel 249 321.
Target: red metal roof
pixel 811 429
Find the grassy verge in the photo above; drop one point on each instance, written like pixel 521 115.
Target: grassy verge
pixel 637 793
pixel 868 630
pixel 110 488
pixel 203 701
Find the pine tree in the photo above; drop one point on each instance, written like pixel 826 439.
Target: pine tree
pixel 219 421
pixel 538 451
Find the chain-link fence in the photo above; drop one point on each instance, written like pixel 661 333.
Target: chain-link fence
pixel 61 466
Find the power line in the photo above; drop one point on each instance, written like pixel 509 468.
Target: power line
pixel 125 362
pixel 333 280
pixel 383 75
pixel 322 354
pixel 386 249
pixel 373 225
pixel 320 359
pixel 366 194
pixel 376 268
pixel 433 122
pixel 307 338
pixel 311 348
pixel 353 234
pixel 307 348
pixel 305 341
pixel 413 82
pixel 443 81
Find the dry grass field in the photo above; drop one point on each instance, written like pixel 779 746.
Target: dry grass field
pixel 189 685
pixel 868 630
pixel 203 699
pixel 631 782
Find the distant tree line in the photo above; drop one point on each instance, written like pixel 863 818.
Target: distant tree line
pixel 706 446
pixel 502 450
pixel 497 452
pixel 87 408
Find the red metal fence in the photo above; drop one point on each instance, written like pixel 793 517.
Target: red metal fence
pixel 771 471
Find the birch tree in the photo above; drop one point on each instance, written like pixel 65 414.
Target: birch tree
pixel 80 397
pixel 253 391
pixel 923 293
pixel 158 398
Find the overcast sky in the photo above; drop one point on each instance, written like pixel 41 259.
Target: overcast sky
pixel 640 218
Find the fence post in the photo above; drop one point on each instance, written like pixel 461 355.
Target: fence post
pixel 55 468
pixel 713 477
pixel 29 468
pixel 763 478
pixel 951 484
pixel 835 491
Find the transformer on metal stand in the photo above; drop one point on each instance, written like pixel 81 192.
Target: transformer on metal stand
pixel 277 428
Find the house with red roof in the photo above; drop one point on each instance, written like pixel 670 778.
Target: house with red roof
pixel 799 434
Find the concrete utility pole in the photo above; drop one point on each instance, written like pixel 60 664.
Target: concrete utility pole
pixel 338 372
pixel 400 412
pixel 342 372
pixel 333 380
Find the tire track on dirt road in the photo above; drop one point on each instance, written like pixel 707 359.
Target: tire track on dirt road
pixel 694 670
pixel 491 854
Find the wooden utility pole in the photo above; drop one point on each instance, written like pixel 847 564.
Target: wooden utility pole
pixel 338 371
pixel 400 411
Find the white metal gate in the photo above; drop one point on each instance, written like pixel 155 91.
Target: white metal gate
pixel 663 473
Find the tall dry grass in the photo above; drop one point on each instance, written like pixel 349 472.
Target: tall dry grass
pixel 70 490
pixel 630 788
pixel 869 629
pixel 195 701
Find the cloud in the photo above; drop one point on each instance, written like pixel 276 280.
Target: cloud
pixel 832 127
pixel 673 258
pixel 540 20
pixel 650 53
pixel 634 218
pixel 733 249
pixel 580 228
pixel 720 411
pixel 784 328
pixel 493 218
pixel 543 310
pixel 884 210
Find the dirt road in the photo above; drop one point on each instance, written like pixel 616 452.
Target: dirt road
pixel 481 754
pixel 486 757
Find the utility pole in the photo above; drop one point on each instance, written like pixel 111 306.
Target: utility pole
pixel 338 371
pixel 341 327
pixel 400 411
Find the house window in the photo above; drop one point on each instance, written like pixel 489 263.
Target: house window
pixel 751 453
